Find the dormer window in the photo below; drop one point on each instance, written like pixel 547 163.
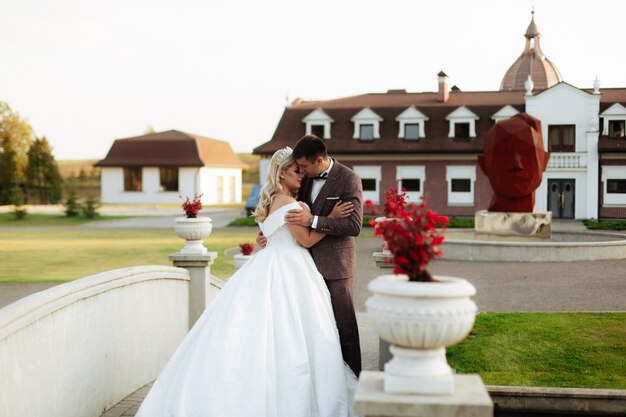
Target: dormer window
pixel 366 124
pixel 504 113
pixel 318 123
pixel 411 124
pixel 466 121
pixel 614 121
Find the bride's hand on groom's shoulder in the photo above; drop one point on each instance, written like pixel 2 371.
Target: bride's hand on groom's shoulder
pixel 341 209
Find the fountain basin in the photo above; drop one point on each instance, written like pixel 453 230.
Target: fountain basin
pixel 462 245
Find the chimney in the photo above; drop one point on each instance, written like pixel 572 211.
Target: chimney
pixel 444 93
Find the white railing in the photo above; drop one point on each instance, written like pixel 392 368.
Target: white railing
pixel 80 347
pixel 567 160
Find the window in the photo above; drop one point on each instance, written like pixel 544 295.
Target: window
pixel 410 185
pixel 132 179
pixel 616 186
pixel 366 132
pixel 462 123
pixel 616 128
pixel 412 124
pixel 561 138
pixel 462 130
pixel 366 124
pixel 317 130
pixel 412 179
pixel 461 185
pixel 318 123
pixel 168 177
pixel 369 184
pixel 370 179
pixel 411 131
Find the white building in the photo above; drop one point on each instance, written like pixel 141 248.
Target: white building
pixel 160 167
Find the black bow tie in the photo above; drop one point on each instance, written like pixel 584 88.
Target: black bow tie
pixel 323 176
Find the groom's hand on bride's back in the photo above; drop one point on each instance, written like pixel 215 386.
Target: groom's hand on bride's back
pixel 261 240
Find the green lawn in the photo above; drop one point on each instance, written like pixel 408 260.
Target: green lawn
pixel 65 255
pixel 61 220
pixel 578 350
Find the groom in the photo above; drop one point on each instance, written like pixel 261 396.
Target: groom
pixel 325 183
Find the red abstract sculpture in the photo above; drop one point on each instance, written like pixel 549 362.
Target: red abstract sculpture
pixel 514 160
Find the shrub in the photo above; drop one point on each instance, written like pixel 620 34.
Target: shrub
pixel 605 224
pixel 72 208
pixel 90 207
pixel 19 212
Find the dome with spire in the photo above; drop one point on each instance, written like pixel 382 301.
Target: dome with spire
pixel 533 63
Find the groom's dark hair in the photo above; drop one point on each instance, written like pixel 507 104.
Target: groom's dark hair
pixel 310 147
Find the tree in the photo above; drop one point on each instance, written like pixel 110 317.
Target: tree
pixel 9 181
pixel 42 173
pixel 16 137
pixel 15 132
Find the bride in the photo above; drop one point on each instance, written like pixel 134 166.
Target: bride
pixel 267 345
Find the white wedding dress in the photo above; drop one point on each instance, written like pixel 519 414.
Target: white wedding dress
pixel 266 346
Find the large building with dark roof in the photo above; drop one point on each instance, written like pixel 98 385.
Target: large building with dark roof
pixel 429 141
pixel 160 167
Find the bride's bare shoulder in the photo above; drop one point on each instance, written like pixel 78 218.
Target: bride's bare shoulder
pixel 280 201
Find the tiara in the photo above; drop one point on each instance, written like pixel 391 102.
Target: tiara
pixel 283 154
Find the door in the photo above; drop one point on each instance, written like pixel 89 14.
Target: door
pixel 561 198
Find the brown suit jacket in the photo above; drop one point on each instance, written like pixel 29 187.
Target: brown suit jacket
pixel 335 255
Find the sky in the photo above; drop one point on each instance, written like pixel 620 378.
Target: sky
pixel 86 72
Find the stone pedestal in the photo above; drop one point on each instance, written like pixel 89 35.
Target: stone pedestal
pixel 203 287
pixel 491 225
pixel 470 399
pixel 383 260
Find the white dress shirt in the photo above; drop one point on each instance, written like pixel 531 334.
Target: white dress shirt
pixel 317 187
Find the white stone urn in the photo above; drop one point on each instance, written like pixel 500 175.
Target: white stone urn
pixel 419 320
pixel 240 260
pixel 193 230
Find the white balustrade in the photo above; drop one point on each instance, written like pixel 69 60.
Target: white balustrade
pixel 567 160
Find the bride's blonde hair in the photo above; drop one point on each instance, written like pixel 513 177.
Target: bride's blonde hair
pixel 281 160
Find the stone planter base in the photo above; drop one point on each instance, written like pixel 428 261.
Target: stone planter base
pixel 240 260
pixel 418 371
pixel 194 247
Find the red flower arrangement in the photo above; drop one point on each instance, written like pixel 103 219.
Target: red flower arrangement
pixel 246 248
pixel 394 200
pixel 410 232
pixel 191 207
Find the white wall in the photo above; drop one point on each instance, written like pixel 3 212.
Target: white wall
pixel 81 347
pixel 209 179
pixel 191 180
pixel 264 164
